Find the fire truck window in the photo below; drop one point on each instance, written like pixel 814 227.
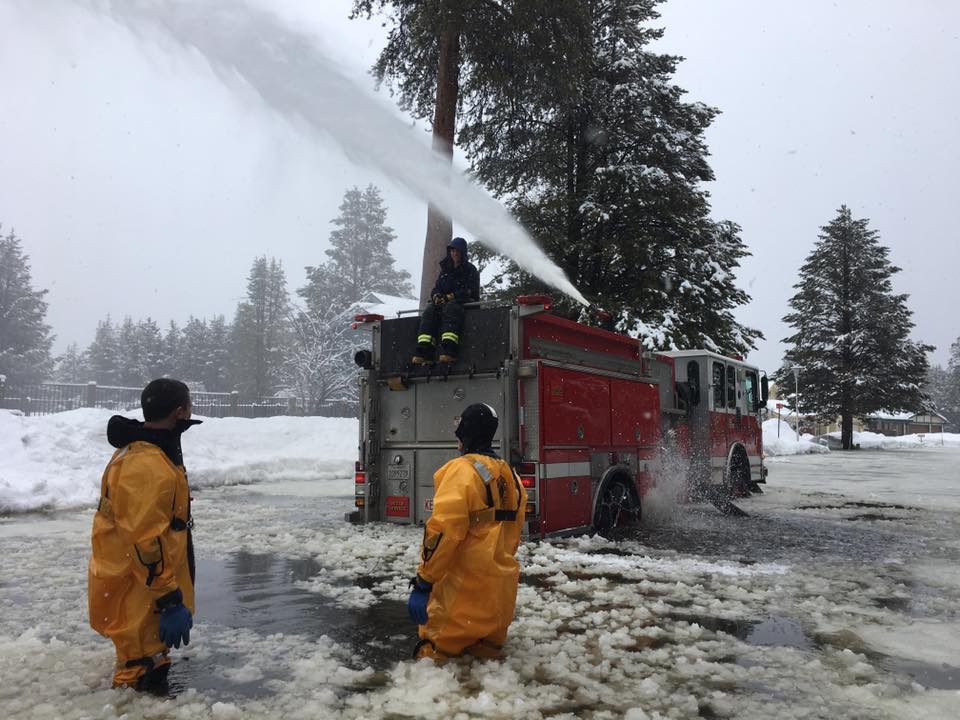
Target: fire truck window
pixel 750 390
pixel 693 378
pixel 717 386
pixel 731 386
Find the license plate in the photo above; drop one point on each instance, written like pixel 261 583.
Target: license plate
pixel 398 472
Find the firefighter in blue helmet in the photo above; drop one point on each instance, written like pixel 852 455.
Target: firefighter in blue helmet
pixel 458 283
pixel 465 590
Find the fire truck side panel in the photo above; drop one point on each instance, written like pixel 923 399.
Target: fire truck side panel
pixel 634 413
pixel 576 408
pixel 566 491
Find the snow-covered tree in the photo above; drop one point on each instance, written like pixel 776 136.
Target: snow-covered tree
pixel 319 363
pixel 360 259
pixel 25 338
pixel 72 366
pixel 260 330
pixel 851 331
pixel 569 117
pixel 103 354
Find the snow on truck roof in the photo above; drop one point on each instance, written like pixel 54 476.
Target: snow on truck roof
pixel 704 353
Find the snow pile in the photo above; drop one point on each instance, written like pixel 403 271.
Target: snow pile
pixel 876 441
pixel 55 461
pixel 785 442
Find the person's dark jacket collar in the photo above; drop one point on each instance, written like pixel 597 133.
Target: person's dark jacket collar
pixel 122 431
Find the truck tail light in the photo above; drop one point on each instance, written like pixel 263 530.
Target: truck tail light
pixel 360 473
pixel 528 474
pixel 531 508
pixel 360 502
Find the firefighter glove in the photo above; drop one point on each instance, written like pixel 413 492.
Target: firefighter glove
pixel 450 297
pixel 419 596
pixel 439 299
pixel 175 624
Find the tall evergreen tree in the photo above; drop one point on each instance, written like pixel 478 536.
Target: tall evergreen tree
pixel 568 116
pixel 851 331
pixel 25 338
pixel 360 259
pixel 72 366
pixel 260 330
pixel 217 356
pixel 103 354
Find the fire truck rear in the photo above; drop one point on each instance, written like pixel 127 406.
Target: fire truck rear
pixel 586 418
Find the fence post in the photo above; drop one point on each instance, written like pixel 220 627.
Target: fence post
pixel 291 406
pixel 234 401
pixel 91 399
pixel 3 389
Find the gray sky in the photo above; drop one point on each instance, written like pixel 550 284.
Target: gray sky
pixel 142 186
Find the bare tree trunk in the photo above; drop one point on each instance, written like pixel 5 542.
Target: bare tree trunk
pixel 440 227
pixel 846 430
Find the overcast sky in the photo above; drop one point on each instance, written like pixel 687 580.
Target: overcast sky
pixel 142 186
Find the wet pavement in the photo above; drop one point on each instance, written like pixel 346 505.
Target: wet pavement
pixel 772 602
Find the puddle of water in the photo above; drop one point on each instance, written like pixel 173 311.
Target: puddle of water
pixel 938 676
pixel 259 592
pixel 772 631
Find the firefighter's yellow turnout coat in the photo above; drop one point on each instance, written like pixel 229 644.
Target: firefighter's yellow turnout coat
pixel 140 554
pixel 469 555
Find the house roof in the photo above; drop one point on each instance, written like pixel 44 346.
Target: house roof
pixel 377 303
pixel 903 416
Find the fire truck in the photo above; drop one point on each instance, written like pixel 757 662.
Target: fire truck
pixel 587 418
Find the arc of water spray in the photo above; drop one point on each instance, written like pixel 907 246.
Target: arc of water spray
pixel 290 73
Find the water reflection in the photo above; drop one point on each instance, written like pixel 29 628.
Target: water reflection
pixel 259 592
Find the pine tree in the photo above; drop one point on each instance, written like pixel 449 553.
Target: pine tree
pixel 360 259
pixel 72 366
pixel 170 360
pixel 568 116
pixel 25 338
pixel 103 354
pixel 217 356
pixel 260 330
pixel 852 331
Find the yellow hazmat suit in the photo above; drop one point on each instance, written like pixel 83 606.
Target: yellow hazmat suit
pixel 469 555
pixel 140 556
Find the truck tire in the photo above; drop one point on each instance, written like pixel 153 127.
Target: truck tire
pixel 738 477
pixel 617 507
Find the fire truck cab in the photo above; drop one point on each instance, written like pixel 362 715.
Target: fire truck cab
pixel 586 417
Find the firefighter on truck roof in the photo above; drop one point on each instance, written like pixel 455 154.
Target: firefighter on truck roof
pixel 458 283
pixel 465 589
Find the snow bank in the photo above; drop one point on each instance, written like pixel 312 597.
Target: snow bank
pixel 786 442
pixel 55 461
pixel 876 441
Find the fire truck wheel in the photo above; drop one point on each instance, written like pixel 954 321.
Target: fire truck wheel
pixel 738 477
pixel 617 507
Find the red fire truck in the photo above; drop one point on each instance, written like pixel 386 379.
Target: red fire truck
pixel 587 417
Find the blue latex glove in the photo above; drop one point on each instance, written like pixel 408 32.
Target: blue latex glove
pixel 417 603
pixel 175 624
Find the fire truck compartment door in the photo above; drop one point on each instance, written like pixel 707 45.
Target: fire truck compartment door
pixel 439 404
pixel 428 462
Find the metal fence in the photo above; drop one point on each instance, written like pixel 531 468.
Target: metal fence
pixel 49 398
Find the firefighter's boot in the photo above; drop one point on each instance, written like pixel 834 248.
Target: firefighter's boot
pixel 424 352
pixel 449 349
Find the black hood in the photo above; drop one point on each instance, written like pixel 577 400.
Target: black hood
pixel 461 245
pixel 122 431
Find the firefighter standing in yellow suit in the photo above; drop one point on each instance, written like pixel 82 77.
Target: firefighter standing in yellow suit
pixel 141 575
pixel 465 591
